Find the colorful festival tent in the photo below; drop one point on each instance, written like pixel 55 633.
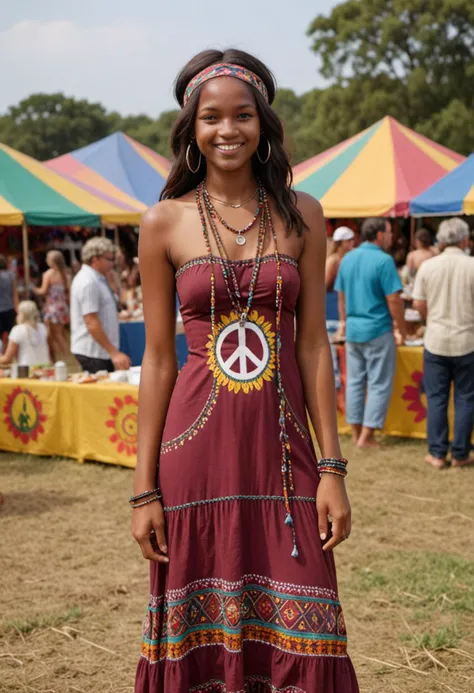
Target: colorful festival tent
pixel 453 194
pixel 375 173
pixel 33 194
pixel 120 160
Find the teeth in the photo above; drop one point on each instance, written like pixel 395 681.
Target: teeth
pixel 228 147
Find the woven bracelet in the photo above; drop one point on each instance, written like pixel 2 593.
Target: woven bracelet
pixel 333 465
pixel 132 499
pixel 145 502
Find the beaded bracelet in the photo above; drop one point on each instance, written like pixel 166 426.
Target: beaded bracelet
pixel 333 465
pixel 145 502
pixel 155 493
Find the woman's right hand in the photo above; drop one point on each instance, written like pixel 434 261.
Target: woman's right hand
pixel 148 529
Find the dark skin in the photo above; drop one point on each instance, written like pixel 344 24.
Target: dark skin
pixel 227 131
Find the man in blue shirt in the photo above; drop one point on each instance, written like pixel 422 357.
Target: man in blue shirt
pixel 369 301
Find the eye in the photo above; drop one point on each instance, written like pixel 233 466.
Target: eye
pixel 244 116
pixel 208 118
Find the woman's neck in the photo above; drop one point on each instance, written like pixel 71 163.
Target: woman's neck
pixel 233 186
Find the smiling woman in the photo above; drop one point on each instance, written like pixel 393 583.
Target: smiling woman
pixel 231 506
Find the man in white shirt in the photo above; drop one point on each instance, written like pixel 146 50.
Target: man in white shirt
pixel 94 318
pixel 444 295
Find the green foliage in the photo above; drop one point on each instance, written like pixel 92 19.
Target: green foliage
pixel 47 125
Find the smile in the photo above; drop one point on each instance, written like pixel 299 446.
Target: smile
pixel 228 147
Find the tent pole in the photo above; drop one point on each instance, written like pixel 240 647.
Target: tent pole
pixel 412 232
pixel 102 231
pixel 26 257
pixel 116 237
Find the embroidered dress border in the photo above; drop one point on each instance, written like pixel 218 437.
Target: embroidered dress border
pixel 217 686
pixel 199 423
pixel 205 260
pixel 222 499
pixel 214 612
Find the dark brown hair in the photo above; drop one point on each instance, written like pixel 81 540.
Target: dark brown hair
pixel 424 236
pixel 276 175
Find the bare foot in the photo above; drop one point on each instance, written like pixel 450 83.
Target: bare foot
pixel 436 462
pixel 367 444
pixel 467 462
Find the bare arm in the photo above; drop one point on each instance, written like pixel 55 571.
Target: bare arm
pixel 159 369
pixel 332 266
pixel 16 300
pixel 10 353
pixel 313 354
pixel 43 290
pixel 93 324
pixel 397 311
pixel 421 307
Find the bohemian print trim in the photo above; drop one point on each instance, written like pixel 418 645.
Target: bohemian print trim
pixel 253 684
pixel 223 499
pixel 296 421
pixel 299 620
pixel 194 429
pixel 206 260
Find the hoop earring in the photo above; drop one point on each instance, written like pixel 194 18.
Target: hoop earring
pixel 188 149
pixel 268 155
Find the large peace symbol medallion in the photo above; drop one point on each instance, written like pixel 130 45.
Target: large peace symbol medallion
pixel 242 357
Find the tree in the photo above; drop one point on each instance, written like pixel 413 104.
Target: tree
pixel 413 59
pixel 47 125
pixel 155 133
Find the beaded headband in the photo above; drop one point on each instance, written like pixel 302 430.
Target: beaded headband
pixel 225 70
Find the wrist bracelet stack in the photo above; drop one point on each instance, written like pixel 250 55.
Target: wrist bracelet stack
pixel 144 498
pixel 333 465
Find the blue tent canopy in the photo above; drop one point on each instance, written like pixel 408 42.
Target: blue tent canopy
pixel 452 194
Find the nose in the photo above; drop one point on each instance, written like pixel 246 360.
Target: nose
pixel 227 127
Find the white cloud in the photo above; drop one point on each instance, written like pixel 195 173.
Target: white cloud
pixel 115 64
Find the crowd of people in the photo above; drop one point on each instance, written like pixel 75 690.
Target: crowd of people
pixel 437 284
pixel 75 309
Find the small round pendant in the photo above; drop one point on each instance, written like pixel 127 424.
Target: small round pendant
pixel 240 240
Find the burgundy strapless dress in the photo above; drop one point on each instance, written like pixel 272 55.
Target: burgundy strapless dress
pixel 234 612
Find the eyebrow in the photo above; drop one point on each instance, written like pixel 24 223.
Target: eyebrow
pixel 238 108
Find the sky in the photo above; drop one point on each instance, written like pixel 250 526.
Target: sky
pixel 127 53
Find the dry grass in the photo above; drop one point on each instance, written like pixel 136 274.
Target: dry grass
pixel 74 588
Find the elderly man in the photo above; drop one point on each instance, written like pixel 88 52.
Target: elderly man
pixel 369 301
pixel 94 318
pixel 444 295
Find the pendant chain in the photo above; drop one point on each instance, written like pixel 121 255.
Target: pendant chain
pixel 230 204
pixel 234 296
pixel 215 215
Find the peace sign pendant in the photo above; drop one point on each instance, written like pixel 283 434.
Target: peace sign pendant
pixel 240 240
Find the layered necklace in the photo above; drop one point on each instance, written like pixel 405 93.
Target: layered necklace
pixel 207 214
pixel 239 233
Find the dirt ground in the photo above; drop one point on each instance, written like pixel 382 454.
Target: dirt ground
pixel 74 587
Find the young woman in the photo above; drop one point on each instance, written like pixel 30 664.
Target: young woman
pixel 28 341
pixel 342 241
pixel 55 287
pixel 230 504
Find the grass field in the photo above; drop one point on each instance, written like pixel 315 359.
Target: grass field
pixel 74 586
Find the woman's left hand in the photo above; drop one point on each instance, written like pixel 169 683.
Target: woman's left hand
pixel 332 500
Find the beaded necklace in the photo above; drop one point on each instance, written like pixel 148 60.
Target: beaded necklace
pixel 214 214
pixel 234 296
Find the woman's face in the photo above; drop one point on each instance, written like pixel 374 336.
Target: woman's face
pixel 227 126
pixel 49 259
pixel 348 245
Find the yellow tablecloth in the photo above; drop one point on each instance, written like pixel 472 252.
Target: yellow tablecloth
pixel 99 422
